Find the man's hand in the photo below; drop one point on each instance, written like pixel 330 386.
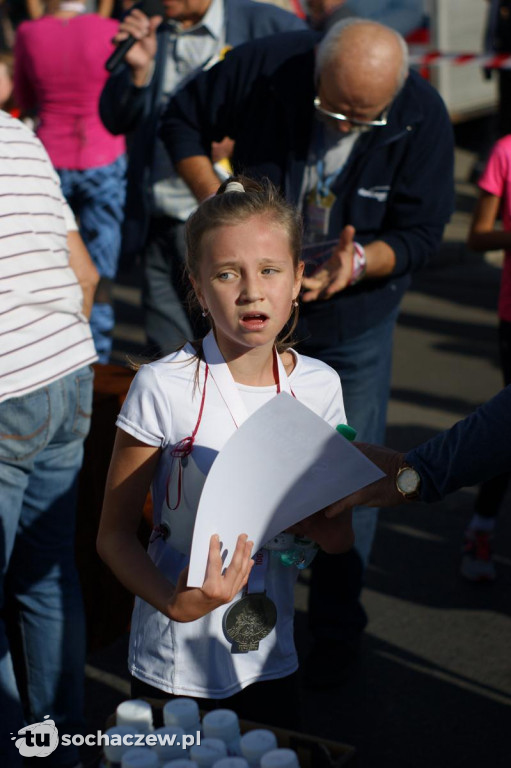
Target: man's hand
pixel 141 54
pixel 332 535
pixel 222 149
pixel 382 493
pixel 334 275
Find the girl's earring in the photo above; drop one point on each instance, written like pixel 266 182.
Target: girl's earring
pixel 295 304
pixel 205 312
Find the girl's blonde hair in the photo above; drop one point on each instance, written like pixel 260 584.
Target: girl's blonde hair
pixel 226 207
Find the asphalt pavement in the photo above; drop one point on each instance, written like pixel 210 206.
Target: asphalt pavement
pixel 432 688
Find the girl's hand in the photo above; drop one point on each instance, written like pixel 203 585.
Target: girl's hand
pixel 190 603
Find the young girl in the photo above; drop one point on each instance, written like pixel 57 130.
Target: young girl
pixel 244 248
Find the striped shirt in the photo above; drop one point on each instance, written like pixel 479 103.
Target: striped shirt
pixel 43 333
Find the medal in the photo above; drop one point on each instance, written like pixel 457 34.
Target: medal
pixel 249 620
pixel 253 617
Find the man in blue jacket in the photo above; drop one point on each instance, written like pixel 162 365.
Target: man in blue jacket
pixel 192 36
pixel 472 451
pixel 365 149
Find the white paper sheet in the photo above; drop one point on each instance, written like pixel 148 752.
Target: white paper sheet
pixel 283 464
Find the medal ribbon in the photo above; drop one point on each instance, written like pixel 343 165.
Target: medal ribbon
pixel 184 448
pixel 324 183
pixel 229 393
pixel 225 383
pixel 257 578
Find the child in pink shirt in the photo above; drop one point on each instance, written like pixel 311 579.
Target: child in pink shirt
pixel 59 74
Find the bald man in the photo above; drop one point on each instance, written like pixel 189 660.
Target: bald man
pixel 365 149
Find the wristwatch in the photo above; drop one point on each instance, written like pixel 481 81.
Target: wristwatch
pixel 408 482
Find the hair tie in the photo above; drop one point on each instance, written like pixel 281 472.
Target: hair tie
pixel 234 186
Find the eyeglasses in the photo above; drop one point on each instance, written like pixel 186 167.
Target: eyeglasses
pixel 360 124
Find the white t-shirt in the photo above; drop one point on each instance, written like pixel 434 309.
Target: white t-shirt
pixel 161 409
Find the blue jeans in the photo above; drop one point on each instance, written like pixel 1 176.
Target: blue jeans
pixel 42 629
pixel 364 364
pixel 96 196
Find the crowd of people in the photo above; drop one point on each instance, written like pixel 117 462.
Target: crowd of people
pixel 292 186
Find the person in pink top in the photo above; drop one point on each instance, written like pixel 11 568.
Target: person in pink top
pixel 494 202
pixel 59 74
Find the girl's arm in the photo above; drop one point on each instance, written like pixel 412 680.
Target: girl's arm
pixel 483 236
pixel 131 470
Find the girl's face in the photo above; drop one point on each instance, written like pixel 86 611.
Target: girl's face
pixel 248 282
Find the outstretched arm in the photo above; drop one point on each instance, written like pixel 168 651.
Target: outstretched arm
pixel 472 451
pixel 382 493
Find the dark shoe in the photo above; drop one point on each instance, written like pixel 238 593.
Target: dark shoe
pixel 329 664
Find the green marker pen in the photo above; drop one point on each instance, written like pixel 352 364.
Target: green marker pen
pixel 346 431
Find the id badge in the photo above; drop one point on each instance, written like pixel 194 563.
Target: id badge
pixel 317 212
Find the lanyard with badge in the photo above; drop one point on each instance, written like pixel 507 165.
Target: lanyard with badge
pixel 251 618
pixel 320 200
pixel 317 209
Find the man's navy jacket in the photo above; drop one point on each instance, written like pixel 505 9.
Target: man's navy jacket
pixel 397 185
pixel 472 451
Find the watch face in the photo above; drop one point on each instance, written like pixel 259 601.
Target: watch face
pixel 408 481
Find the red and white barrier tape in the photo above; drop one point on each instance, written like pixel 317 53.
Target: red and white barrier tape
pixel 488 61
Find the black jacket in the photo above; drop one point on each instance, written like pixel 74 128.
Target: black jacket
pixel 397 185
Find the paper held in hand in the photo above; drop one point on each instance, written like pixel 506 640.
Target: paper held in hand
pixel 283 464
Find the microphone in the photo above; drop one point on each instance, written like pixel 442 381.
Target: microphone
pixel 150 8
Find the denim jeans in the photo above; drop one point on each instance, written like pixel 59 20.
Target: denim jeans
pixel 96 196
pixel 364 364
pixel 42 630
